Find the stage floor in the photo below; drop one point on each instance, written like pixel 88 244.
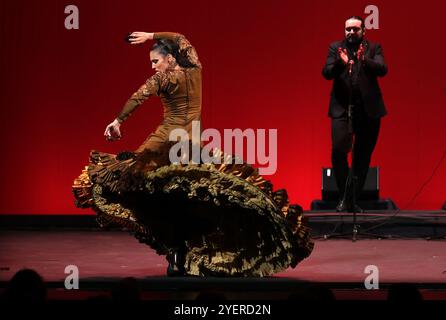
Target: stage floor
pixel 105 257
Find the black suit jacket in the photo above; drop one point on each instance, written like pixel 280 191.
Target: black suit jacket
pixel 372 67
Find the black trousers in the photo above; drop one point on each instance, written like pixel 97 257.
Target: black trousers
pixel 365 134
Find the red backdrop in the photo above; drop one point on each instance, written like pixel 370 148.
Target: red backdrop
pixel 262 69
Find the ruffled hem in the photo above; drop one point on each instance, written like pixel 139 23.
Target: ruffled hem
pixel 228 217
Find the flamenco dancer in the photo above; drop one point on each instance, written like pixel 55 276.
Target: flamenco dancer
pixel 208 219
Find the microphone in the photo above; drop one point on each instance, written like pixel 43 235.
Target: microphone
pixel 350 66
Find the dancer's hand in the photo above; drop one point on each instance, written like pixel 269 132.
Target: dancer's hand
pixel 138 37
pixel 343 55
pixel 112 132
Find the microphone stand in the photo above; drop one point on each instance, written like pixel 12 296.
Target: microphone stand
pixel 351 182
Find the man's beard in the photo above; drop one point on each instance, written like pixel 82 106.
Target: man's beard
pixel 354 40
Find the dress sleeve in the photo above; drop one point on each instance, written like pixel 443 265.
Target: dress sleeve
pixel 186 49
pixel 152 87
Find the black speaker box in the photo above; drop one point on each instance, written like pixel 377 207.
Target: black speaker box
pixel 330 190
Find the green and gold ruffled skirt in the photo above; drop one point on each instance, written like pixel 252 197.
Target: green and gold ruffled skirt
pixel 228 217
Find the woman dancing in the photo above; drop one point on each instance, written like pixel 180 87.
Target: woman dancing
pixel 208 219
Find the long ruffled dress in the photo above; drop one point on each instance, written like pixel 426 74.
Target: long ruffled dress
pixel 227 216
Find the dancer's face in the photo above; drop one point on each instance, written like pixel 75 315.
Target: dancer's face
pixel 159 61
pixel 353 31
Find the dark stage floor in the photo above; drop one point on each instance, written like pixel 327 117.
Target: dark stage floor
pixel 105 257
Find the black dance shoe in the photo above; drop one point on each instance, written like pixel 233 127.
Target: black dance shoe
pixel 176 264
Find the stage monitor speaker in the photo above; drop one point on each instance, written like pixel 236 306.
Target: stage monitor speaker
pixel 330 190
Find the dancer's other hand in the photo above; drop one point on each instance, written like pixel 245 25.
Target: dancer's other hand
pixel 112 132
pixel 138 37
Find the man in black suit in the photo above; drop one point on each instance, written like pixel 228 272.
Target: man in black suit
pixel 356 106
